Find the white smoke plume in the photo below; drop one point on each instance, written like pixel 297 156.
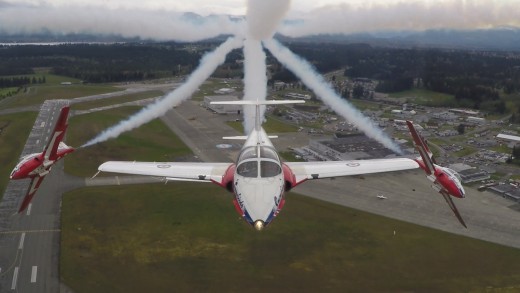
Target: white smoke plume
pixel 207 66
pixel 322 89
pixel 404 15
pixel 264 16
pixel 255 81
pixel 145 24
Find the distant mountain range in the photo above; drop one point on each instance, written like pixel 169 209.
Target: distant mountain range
pixel 490 39
pixel 504 38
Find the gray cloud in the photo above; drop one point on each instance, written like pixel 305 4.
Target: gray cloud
pixel 409 15
pixel 158 25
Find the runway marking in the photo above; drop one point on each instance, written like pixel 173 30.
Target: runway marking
pixel 33 274
pixel 15 277
pixel 29 231
pixel 29 209
pixel 20 246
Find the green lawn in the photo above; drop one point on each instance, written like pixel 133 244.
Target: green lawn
pixel 15 129
pixel 186 237
pixel 117 100
pixel 52 89
pixel 365 105
pixel 468 150
pixel 426 97
pixel 150 142
pixel 272 125
pixel 39 94
pixel 289 156
pixel 6 91
pixel 209 87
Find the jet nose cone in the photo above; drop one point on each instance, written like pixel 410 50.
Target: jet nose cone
pixel 259 225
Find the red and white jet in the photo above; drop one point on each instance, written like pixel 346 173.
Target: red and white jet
pixel 258 178
pixel 37 165
pixel 445 180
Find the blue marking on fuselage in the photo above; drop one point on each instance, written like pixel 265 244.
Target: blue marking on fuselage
pixel 248 217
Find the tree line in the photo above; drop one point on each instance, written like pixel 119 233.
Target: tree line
pixel 477 79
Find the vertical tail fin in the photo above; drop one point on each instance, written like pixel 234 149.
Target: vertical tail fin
pixel 50 151
pixel 422 148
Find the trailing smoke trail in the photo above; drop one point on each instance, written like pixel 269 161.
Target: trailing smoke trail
pixel 255 80
pixel 263 17
pixel 314 81
pixel 207 66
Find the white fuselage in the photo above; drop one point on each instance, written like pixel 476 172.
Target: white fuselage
pixel 258 181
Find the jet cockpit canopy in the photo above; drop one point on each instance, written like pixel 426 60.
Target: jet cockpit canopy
pixel 258 161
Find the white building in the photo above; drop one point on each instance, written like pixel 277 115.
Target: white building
pixel 222 109
pixel 475 120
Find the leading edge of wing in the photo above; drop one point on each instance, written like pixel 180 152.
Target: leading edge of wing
pixel 173 170
pixel 33 187
pixel 327 169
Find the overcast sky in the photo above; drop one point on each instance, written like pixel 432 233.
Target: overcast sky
pixel 204 7
pixel 162 19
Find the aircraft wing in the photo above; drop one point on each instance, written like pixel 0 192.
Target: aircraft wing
pixel 450 202
pixel 422 147
pixel 180 171
pixel 33 187
pixel 326 169
pixel 50 151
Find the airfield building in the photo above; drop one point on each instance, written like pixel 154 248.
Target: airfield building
pixel 222 109
pixel 350 147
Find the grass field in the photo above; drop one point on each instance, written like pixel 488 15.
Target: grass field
pixel 186 237
pixel 365 105
pixel 38 94
pixel 209 87
pixel 426 97
pixel 150 142
pixel 14 131
pixel 117 100
pixel 53 89
pixel 272 125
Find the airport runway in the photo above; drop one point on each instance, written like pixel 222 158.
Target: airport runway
pixel 29 254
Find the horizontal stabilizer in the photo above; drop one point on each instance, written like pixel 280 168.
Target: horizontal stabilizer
pixel 254 103
pixel 244 137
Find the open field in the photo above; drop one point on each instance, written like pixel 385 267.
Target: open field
pixel 14 129
pixel 116 100
pixel 150 142
pixel 38 94
pixel 425 97
pixel 187 237
pixel 272 125
pixel 4 92
pixel 209 87
pixel 365 105
pixel 52 89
